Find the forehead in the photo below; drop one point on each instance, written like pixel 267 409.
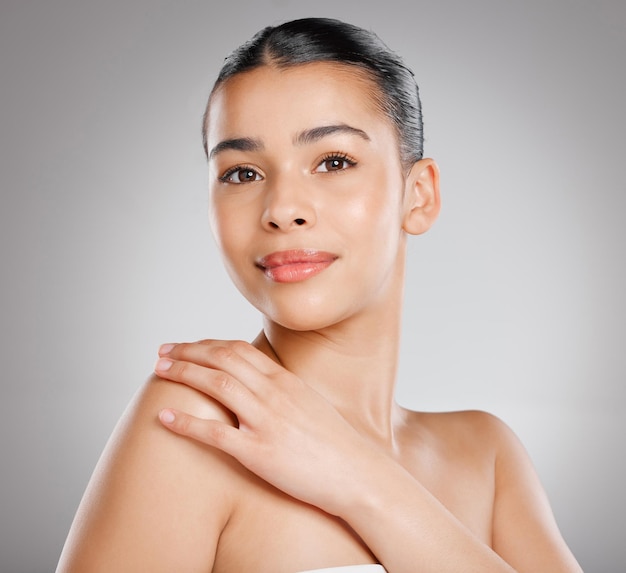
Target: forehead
pixel 296 97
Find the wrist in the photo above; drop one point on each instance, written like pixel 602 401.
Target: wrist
pixel 374 486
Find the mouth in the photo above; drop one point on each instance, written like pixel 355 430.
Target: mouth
pixel 295 265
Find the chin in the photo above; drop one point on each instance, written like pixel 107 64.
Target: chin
pixel 298 325
pixel 305 315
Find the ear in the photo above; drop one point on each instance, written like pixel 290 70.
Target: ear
pixel 421 197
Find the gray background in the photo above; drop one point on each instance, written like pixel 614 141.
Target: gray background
pixel 514 302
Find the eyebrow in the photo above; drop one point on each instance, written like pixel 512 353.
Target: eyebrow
pixel 315 134
pixel 238 144
pixel 305 137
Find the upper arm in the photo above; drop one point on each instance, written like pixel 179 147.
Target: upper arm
pixel 525 532
pixel 156 501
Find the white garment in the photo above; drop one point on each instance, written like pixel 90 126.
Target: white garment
pixel 350 569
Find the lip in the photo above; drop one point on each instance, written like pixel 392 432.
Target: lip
pixel 295 265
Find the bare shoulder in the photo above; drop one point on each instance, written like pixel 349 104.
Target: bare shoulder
pixel 453 454
pixel 156 501
pixel 460 420
pixel 466 432
pixel 473 438
pixel 523 529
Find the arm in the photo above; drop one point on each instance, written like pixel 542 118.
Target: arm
pixel 156 502
pixel 392 510
pixel 525 532
pixel 289 436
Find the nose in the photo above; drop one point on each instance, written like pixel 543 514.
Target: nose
pixel 287 207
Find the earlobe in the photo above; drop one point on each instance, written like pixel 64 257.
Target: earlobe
pixel 422 201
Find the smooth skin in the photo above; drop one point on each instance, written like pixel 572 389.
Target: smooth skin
pixel 290 453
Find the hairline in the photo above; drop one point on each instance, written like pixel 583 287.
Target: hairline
pixel 360 71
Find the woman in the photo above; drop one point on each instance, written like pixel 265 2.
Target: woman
pixel 289 454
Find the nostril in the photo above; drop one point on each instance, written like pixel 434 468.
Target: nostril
pixel 299 222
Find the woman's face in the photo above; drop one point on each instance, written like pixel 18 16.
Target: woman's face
pixel 306 193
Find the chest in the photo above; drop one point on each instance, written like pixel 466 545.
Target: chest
pixel 270 531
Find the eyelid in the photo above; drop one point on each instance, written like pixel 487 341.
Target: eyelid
pixel 340 155
pixel 224 178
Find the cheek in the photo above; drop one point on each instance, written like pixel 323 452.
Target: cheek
pixel 217 228
pixel 227 226
pixel 375 210
pixel 231 240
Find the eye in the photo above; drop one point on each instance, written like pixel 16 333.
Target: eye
pixel 240 174
pixel 335 162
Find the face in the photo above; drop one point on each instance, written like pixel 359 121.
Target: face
pixel 306 193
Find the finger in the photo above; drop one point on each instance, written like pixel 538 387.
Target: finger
pixel 210 432
pixel 254 356
pixel 246 350
pixel 239 359
pixel 218 384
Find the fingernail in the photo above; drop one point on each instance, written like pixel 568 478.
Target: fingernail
pixel 163 365
pixel 165 349
pixel 166 416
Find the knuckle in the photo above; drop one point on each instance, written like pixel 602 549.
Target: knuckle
pixel 223 382
pixel 181 347
pixel 217 433
pixel 182 423
pixel 223 354
pixel 180 351
pixel 183 370
pixel 239 346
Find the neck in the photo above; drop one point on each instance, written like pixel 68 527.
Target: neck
pixel 353 364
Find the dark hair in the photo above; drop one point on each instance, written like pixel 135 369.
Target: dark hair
pixel 311 40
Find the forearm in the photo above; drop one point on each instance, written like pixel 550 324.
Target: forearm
pixel 409 530
pixel 290 436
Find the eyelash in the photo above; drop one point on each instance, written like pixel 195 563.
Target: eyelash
pixel 334 156
pixel 230 172
pixel 337 156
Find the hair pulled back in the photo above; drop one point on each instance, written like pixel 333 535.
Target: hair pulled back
pixel 310 40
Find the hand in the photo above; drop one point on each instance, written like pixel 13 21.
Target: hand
pixel 288 434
